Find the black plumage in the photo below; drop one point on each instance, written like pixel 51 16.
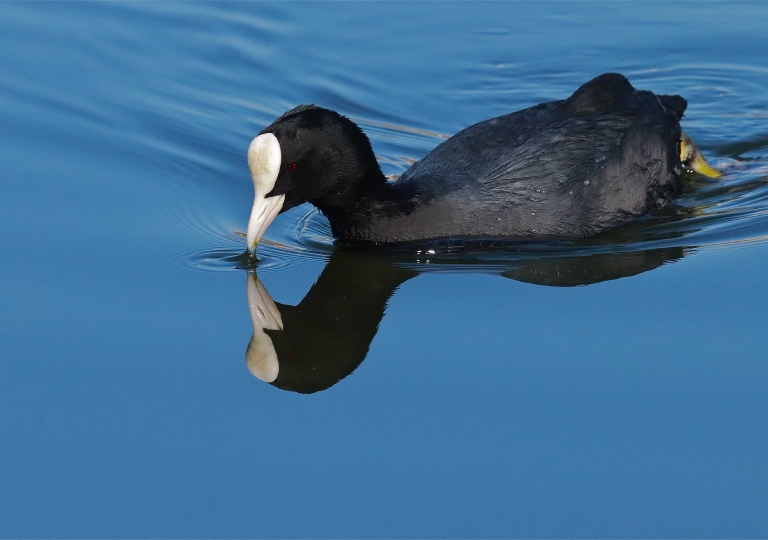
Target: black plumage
pixel 564 169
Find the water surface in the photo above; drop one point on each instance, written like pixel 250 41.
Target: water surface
pixel 614 387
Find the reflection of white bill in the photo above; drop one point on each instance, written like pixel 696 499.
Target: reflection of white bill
pixel 260 356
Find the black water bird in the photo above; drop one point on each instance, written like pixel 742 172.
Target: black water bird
pixel 559 170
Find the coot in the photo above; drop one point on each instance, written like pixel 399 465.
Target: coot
pixel 564 169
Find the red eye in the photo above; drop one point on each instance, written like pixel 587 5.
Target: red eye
pixel 291 167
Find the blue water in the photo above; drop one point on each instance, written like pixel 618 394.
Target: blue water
pixel 615 388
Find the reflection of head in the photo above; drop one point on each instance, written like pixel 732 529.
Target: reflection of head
pixel 260 357
pixel 312 346
pixel 329 333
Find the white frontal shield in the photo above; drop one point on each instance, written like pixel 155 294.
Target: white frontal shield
pixel 264 158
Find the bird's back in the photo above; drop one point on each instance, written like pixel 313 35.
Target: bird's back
pixel 568 168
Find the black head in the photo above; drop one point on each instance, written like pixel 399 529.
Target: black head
pixel 326 158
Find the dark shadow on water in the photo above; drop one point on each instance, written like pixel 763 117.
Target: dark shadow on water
pixel 311 346
pixel 589 269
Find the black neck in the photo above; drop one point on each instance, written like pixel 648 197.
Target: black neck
pixel 353 214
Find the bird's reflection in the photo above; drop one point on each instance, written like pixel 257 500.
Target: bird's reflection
pixel 312 346
pixel 588 269
pixel 260 356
